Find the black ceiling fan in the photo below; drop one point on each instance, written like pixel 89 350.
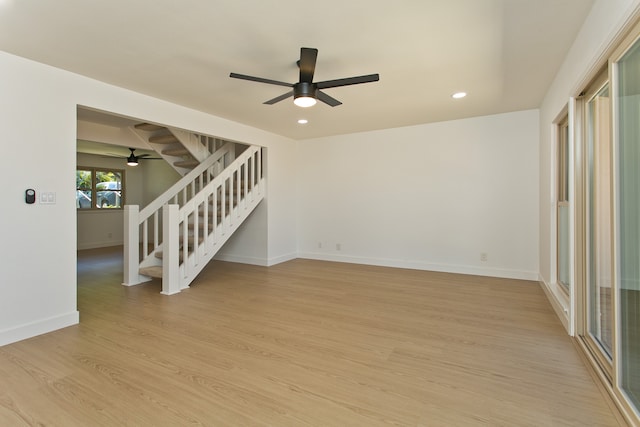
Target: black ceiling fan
pixel 132 159
pixel 306 92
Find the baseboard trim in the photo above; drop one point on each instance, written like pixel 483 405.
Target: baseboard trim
pixel 97 245
pixel 255 261
pixel 561 311
pixel 241 260
pixel 281 259
pixel 413 265
pixel 39 327
pixel 419 265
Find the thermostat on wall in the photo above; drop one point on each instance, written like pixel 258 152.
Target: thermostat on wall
pixel 30 196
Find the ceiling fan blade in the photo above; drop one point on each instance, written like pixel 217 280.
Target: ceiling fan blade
pixel 279 98
pixel 307 64
pixel 328 100
pixel 259 80
pixel 348 81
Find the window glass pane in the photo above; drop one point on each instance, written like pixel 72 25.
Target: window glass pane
pixel 108 189
pixel 563 246
pixel 84 186
pixel 563 162
pixel 564 272
pixel 628 127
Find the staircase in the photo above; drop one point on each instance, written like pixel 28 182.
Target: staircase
pixel 175 236
pixel 183 150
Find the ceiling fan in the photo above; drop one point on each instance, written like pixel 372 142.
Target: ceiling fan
pixel 305 93
pixel 132 159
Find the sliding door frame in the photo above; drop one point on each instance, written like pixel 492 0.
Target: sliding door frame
pixel 623 47
pixel 583 238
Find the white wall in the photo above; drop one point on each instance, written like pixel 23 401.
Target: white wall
pixel 588 54
pixel 430 197
pixel 38 259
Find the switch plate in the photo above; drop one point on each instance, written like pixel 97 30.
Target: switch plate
pixel 47 198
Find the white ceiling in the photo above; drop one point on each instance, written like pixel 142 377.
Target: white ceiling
pixel 504 53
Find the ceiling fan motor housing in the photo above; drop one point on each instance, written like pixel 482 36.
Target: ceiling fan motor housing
pixel 305 89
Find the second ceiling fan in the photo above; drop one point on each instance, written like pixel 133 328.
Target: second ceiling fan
pixel 306 92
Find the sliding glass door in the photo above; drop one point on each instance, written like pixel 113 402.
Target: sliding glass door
pixel 627 130
pixel 607 221
pixel 598 222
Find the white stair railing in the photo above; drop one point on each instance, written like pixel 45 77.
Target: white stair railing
pixel 145 226
pixel 192 220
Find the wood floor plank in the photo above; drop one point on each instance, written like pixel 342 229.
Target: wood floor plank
pixel 303 343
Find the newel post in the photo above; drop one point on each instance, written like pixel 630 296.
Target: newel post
pixel 131 246
pixel 170 250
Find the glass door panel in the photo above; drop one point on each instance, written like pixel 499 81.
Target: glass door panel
pixel 599 274
pixel 628 204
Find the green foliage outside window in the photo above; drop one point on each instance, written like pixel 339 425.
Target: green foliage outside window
pixel 99 188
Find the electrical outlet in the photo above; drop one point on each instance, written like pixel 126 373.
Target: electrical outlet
pixel 319 245
pixel 338 246
pixel 484 257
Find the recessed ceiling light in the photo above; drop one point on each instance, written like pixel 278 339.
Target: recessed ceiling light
pixel 459 95
pixel 303 121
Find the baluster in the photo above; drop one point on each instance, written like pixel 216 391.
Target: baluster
pixel 214 207
pixel 156 237
pixel 145 237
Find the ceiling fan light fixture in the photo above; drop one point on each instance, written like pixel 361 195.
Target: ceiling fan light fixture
pixel 132 160
pixel 305 101
pixel 304 94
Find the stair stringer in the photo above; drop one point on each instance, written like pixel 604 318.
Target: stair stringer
pixel 211 244
pixel 192 142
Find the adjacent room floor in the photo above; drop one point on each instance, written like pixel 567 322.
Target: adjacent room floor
pixel 303 343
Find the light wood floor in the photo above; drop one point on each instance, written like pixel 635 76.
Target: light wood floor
pixel 304 343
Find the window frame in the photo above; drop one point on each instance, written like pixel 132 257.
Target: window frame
pixel 563 156
pixel 94 170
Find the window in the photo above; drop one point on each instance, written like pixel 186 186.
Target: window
pixel 99 188
pixel 563 247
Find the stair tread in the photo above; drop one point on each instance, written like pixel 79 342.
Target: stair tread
pixel 148 126
pixel 163 139
pixel 186 163
pixel 154 271
pixel 178 151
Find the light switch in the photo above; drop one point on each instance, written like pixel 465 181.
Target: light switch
pixel 47 198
